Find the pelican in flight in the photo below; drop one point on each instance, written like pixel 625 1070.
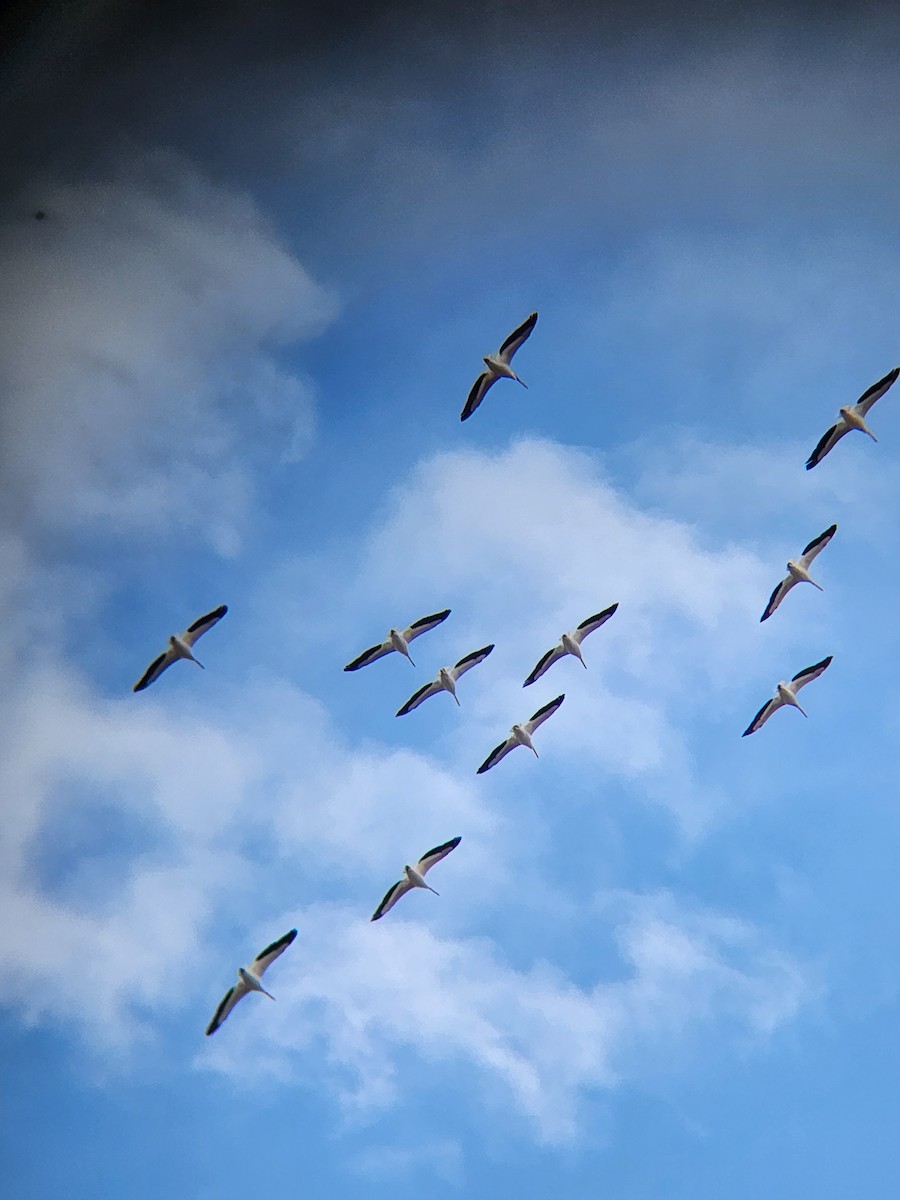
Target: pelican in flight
pixel 798 571
pixel 570 643
pixel 786 693
pixel 180 647
pixel 852 417
pixel 445 680
pixel 398 640
pixel 520 735
pixel 249 980
pixel 498 366
pixel 414 877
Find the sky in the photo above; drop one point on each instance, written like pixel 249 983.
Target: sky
pixel 665 959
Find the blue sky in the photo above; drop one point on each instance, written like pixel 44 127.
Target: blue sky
pixel 664 958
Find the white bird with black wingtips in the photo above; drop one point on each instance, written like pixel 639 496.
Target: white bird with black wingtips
pixel 852 417
pixel 786 693
pixel 798 570
pixel 520 735
pixel 498 366
pixel 398 640
pixel 445 680
pixel 414 877
pixel 249 980
pixel 570 643
pixel 180 647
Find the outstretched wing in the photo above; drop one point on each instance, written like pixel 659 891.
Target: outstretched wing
pixel 828 441
pixel 516 338
pixel 777 596
pixel 430 689
pixel 479 391
pixel 545 664
pixel 266 957
pixel 155 669
pixel 763 715
pixel 808 674
pixel 201 625
pixel 427 861
pixel 544 714
pixel 369 656
pixel 593 623
pixel 229 1000
pixel 876 391
pixel 496 754
pixel 393 895
pixel 816 546
pixel 424 624
pixel 470 661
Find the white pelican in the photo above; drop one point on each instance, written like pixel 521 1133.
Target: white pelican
pixel 397 640
pixel 445 680
pixel 786 693
pixel 520 735
pixel 798 571
pixel 414 877
pixel 852 417
pixel 498 366
pixel 249 980
pixel 570 643
pixel 180 647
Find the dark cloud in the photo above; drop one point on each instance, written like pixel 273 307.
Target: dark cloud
pixel 80 80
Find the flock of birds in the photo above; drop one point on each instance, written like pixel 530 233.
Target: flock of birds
pixel 398 641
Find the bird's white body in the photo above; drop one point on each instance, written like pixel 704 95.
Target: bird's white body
pixel 445 680
pixel 570 643
pixel 252 982
pixel 414 877
pixel 799 574
pixel 786 694
pixel 498 366
pixel 399 643
pixel 523 738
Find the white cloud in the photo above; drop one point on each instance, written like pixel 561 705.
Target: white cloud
pixel 264 809
pixel 365 997
pixel 141 350
pixel 528 542
pixel 438 1158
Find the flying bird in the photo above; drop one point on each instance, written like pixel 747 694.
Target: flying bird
pixel 498 366
pixel 445 680
pixel 798 571
pixel 249 980
pixel 786 693
pixel 520 735
pixel 852 417
pixel 180 647
pixel 397 640
pixel 570 643
pixel 414 877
